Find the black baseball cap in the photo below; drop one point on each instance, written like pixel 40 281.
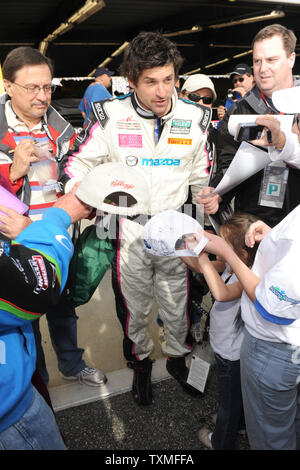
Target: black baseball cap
pixel 241 69
pixel 102 71
pixel 29 284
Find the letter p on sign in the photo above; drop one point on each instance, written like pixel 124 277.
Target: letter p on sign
pixel 273 189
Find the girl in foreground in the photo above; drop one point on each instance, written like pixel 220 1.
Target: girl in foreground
pixel 226 331
pixel 270 304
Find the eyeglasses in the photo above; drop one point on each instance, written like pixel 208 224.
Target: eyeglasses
pixel 196 98
pixel 240 79
pixel 35 89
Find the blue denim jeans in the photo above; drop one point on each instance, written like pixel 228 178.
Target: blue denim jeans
pixel 230 417
pixel 270 374
pixel 36 430
pixel 62 324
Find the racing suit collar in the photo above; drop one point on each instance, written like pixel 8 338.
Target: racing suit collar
pixel 146 114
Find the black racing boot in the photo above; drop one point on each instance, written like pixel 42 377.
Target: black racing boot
pixel 141 385
pixel 177 368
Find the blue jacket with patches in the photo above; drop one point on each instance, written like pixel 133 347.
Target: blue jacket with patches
pixel 34 270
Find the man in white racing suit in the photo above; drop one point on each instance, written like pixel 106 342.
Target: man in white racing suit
pixel 164 137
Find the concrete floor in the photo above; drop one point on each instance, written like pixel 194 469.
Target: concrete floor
pixel 116 423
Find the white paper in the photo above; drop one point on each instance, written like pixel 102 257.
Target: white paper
pixel 198 373
pixel 247 161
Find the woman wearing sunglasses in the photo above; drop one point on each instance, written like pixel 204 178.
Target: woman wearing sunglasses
pixel 199 88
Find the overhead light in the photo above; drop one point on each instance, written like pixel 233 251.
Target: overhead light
pixel 217 63
pixel 181 44
pixel 88 9
pixel 85 43
pixel 287 2
pixel 197 28
pixel 224 46
pixel 106 61
pixel 271 16
pixel 242 54
pixel 43 47
pixel 16 43
pixel 193 71
pixel 221 61
pixel 120 50
pixel 114 54
pixel 230 46
pixel 194 29
pixel 63 28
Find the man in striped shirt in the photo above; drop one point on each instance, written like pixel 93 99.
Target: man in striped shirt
pixel 33 138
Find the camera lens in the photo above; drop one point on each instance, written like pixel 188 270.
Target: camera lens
pixel 233 95
pixel 229 94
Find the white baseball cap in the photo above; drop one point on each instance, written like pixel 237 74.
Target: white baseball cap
pixel 116 189
pixel 163 234
pixel 198 81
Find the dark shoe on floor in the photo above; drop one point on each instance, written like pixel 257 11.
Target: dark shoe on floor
pixel 177 368
pixel 141 385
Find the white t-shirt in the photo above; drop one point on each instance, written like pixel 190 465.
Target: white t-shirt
pixel 225 330
pixel 275 315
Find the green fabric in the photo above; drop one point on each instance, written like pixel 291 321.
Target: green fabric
pixel 18 312
pixel 92 258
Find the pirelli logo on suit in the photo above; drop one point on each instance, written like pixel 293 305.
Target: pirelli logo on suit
pixel 179 141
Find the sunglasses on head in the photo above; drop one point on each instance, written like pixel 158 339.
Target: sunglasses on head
pixel 196 98
pixel 240 79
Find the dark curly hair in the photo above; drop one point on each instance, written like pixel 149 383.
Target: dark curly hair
pixel 148 50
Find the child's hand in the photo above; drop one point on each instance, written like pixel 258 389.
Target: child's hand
pixel 215 245
pixel 256 232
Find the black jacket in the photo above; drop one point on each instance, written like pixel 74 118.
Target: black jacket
pixel 246 194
